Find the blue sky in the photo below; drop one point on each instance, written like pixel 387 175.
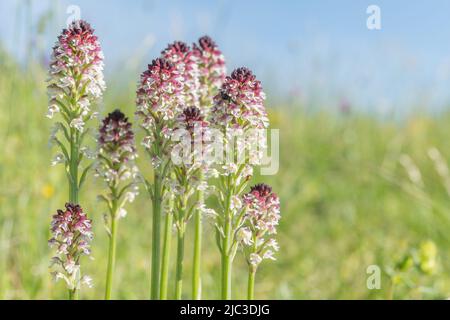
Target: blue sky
pixel 316 50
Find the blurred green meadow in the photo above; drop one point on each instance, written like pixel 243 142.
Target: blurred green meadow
pixel 355 190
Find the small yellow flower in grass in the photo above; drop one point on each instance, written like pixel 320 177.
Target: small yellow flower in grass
pixel 428 257
pixel 47 191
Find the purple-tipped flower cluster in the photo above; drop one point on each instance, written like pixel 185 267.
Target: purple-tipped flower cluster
pixel 211 67
pixel 192 130
pixel 160 92
pixel 116 152
pixel 182 76
pixel 261 219
pixel 195 134
pixel 76 66
pixel 72 235
pixel 116 149
pixel 181 56
pixel 160 97
pixel 190 118
pixel 116 137
pixel 240 102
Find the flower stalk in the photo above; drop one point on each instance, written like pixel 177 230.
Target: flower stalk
pixel 262 215
pixel 196 273
pixel 179 271
pixel 71 236
pixel 229 221
pixel 159 97
pixel 181 229
pixel 211 74
pixel 251 284
pixel 238 110
pixel 75 83
pixel 190 127
pixel 111 257
pixel 167 248
pixel 156 236
pixel 73 166
pixel 115 165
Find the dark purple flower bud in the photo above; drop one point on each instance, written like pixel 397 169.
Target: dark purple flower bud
pixel 192 114
pixel 176 52
pixel 192 120
pixel 261 190
pixel 207 44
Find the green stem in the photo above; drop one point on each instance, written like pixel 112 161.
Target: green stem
pixel 251 284
pixel 156 237
pixel 226 277
pixel 73 185
pixel 73 294
pixel 180 257
pixel 196 279
pixel 111 256
pixel 73 167
pixel 166 250
pixel 226 259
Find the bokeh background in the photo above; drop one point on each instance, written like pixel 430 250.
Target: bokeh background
pixel 364 142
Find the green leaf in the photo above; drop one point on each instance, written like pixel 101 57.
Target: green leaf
pixel 63 148
pixel 83 135
pixel 105 199
pixel 125 188
pixel 84 174
pixel 218 241
pixel 64 129
pixel 233 249
pixel 149 187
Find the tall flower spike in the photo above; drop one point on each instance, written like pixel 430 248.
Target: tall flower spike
pixel 72 234
pixel 116 152
pixel 212 70
pixel 240 102
pixel 75 82
pixel 193 127
pixel 160 95
pixel 240 114
pixel 180 55
pixel 76 67
pixel 211 74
